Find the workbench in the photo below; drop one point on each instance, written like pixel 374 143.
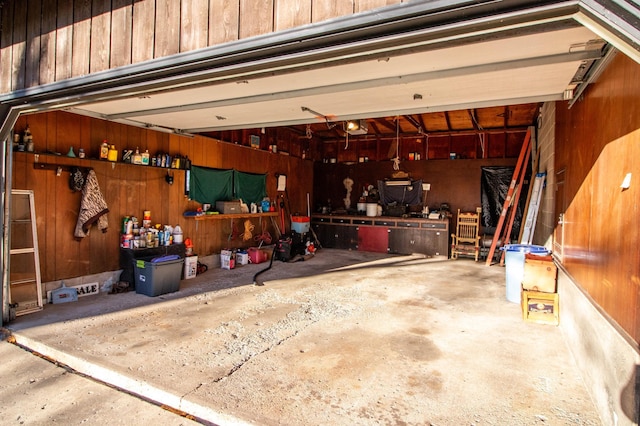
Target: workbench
pixel 383 234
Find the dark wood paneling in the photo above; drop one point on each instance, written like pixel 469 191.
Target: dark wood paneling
pixel 456 182
pixel 48 42
pixel 100 36
pixel 121 33
pixel 64 40
pixel 167 40
pixel 131 189
pixel 363 5
pixel 194 22
pixel 496 144
pixel 256 17
pixel 32 52
pixel 6 40
pixel 224 21
pixel 142 46
pixel 290 14
pixel 81 50
pixel 327 9
pixel 600 247
pixel 51 40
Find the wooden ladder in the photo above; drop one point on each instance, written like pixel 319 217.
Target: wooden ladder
pixel 511 200
pixel 25 292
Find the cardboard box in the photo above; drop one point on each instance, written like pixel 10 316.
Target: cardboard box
pixel 540 307
pixel 228 207
pixel 190 267
pixel 540 274
pixel 227 259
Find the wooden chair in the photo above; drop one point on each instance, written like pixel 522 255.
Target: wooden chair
pixel 466 240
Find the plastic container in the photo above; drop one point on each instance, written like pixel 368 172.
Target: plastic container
pixel 514 263
pixel 156 278
pixel 177 234
pixel 190 267
pixel 256 255
pixel 300 224
pixel 372 209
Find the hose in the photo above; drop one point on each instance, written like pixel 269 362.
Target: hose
pixel 255 277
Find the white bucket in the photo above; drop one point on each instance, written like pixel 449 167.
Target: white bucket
pixel 372 209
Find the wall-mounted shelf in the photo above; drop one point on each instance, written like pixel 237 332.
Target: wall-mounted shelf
pixel 231 216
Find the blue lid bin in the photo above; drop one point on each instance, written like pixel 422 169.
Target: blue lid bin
pixel 159 275
pixel 514 262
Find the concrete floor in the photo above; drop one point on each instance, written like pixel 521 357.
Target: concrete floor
pixel 342 338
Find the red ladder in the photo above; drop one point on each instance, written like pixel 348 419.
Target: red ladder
pixel 511 200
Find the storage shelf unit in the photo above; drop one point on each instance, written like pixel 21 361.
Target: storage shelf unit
pixel 25 290
pixel 383 234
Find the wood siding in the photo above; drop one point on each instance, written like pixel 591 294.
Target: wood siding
pixel 597 144
pixel 43 41
pixel 131 189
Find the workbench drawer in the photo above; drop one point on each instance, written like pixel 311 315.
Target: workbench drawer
pixel 434 225
pixel 385 223
pixel 341 220
pixel 408 224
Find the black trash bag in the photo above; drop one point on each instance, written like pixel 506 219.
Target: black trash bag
pixel 495 182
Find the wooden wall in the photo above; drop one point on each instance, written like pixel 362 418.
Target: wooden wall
pixel 42 41
pixel 597 144
pixel 455 182
pixel 131 189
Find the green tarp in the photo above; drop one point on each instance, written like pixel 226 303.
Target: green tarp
pixel 250 188
pixel 210 185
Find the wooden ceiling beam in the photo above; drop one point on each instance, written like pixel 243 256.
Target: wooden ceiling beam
pixel 474 119
pixel 386 123
pixel 446 117
pixel 411 119
pixel 386 136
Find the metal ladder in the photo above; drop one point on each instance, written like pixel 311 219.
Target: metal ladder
pixel 534 206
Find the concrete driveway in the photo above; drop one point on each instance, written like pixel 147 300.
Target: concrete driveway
pixel 345 337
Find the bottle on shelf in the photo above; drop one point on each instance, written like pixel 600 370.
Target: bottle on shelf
pixel 145 157
pixel 137 158
pixel 28 140
pixel 112 154
pixel 104 150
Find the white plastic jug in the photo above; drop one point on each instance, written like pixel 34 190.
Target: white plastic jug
pixel 177 234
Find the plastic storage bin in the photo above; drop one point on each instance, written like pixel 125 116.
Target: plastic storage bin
pixel 156 278
pixel 300 224
pixel 514 262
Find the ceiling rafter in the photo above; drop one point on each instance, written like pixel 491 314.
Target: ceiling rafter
pixel 474 118
pixel 448 120
pixel 415 123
